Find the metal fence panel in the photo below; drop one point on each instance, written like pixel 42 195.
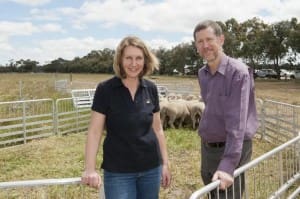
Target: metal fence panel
pixel 69 118
pixel 281 121
pixel 25 120
pixel 275 174
pixel 180 88
pixel 64 188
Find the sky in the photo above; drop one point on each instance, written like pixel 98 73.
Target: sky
pixel 44 30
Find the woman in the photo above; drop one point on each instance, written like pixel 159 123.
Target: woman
pixel 135 157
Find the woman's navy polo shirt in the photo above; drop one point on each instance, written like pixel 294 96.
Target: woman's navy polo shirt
pixel 130 144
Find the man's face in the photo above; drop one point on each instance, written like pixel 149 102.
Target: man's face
pixel 209 46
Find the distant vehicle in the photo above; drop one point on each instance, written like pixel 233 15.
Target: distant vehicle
pixel 266 73
pixel 162 90
pixel 297 74
pixel 270 73
pixel 285 74
pixel 259 73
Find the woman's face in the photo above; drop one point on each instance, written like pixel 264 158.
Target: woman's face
pixel 133 61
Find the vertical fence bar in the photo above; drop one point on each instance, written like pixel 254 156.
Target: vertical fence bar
pixel 263 125
pixel 280 168
pixel 24 122
pixel 54 116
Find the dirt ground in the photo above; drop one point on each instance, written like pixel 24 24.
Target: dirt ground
pixel 279 90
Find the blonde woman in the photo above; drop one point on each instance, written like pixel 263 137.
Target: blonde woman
pixel 135 160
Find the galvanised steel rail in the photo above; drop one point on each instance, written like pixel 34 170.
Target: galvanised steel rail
pixel 42 182
pixel 7 189
pixel 295 176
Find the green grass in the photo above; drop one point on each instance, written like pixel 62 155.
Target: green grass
pixel 63 157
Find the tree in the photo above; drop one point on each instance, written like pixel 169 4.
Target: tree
pixel 27 65
pixel 231 31
pixel 165 58
pixel 57 65
pixel 252 45
pixel 294 40
pixel 275 39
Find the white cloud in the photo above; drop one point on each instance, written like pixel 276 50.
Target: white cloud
pixel 181 15
pixel 168 15
pixel 44 15
pixel 32 2
pixel 67 48
pixel 51 27
pixel 5 46
pixel 161 43
pixel 9 29
pixel 16 28
pixel 160 17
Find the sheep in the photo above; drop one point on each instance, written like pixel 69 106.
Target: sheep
pixel 173 111
pixel 190 97
pixel 196 109
pixel 177 110
pixel 163 103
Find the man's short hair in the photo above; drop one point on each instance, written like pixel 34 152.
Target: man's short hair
pixel 208 23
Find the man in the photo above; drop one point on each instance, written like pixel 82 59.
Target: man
pixel 229 120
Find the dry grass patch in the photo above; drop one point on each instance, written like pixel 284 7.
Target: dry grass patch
pixel 41 85
pixel 63 157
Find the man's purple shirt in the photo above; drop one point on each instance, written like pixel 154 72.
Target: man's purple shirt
pixel 230 111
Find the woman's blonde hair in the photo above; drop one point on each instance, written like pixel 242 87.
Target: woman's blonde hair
pixel 151 61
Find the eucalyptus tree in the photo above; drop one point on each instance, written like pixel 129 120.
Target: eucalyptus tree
pixel 164 56
pixel 57 65
pixel 275 39
pixel 252 45
pixel 294 40
pixel 180 56
pixel 27 65
pixel 195 59
pixel 231 31
pixel 105 60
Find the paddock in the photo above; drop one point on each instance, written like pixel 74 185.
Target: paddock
pixel 279 124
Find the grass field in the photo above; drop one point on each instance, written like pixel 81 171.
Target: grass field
pixel 62 157
pixel 16 86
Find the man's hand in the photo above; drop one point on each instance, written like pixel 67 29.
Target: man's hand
pixel 225 178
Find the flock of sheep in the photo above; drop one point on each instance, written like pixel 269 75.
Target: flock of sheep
pixel 177 111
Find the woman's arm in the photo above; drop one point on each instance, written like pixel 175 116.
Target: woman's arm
pixel 166 175
pixel 90 176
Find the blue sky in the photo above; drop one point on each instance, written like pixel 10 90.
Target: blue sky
pixel 44 30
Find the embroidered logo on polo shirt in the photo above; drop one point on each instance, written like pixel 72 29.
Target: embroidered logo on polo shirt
pixel 147 101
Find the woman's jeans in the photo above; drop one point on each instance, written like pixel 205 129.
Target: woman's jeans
pixel 139 185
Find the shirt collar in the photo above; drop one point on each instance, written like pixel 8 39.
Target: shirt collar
pixel 117 82
pixel 222 65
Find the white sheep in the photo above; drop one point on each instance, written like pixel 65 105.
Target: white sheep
pixel 171 111
pixel 196 109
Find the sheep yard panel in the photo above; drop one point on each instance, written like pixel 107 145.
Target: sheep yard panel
pixel 48 188
pixel 71 118
pixel 183 88
pixel 21 121
pixel 280 121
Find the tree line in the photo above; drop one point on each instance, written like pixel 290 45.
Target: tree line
pixel 257 43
